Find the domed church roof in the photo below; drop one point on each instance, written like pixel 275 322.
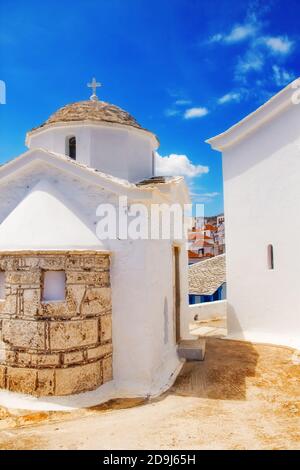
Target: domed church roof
pixel 92 111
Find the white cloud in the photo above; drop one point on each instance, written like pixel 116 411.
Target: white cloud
pixel 237 34
pixel 216 38
pixel 182 102
pixel 279 44
pixel 171 112
pixel 192 113
pixel 204 197
pixel 231 96
pixel 178 165
pixel 240 33
pixel 210 194
pixel 251 61
pixel 261 49
pixel 281 76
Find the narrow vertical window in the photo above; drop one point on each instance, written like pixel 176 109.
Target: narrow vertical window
pixel 71 147
pixel 2 285
pixel 54 288
pixel 270 257
pixel 153 163
pixel 176 258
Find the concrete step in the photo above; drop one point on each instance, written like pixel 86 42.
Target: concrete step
pixel 192 350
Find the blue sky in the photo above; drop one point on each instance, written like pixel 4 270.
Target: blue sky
pixel 186 69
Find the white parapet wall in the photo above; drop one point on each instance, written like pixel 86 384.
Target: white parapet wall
pixel 208 310
pixel 200 312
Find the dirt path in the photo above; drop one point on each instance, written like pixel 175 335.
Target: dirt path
pixel 241 397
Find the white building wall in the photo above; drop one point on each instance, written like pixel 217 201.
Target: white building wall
pixel 145 353
pixel 122 152
pixel 262 206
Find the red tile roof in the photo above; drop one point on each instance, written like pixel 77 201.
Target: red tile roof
pixel 202 243
pixel 210 227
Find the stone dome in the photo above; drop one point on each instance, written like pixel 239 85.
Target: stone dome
pixel 91 111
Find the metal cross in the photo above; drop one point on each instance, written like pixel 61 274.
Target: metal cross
pixel 94 85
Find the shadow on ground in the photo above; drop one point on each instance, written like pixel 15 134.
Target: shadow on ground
pixel 223 373
pixel 243 396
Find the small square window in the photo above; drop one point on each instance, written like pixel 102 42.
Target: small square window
pixel 54 288
pixel 2 285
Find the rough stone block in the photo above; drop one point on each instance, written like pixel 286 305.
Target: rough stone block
pixel 8 357
pixel 2 306
pixel 68 328
pixel 96 301
pixel 55 310
pixel 2 376
pixel 10 304
pixel 99 351
pixel 102 262
pixel 74 263
pixel 87 278
pixel 73 334
pixel 73 357
pixel 74 297
pixel 106 328
pixel 25 334
pixel 78 379
pixel 3 264
pixel 38 360
pixel 2 353
pixel 31 299
pixel 192 350
pixel 107 370
pixel 88 262
pixel 8 263
pixel 45 384
pixel 30 262
pixel 21 380
pixel 24 359
pixel 52 263
pixel 24 278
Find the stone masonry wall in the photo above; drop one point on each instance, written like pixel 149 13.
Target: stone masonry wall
pixel 55 348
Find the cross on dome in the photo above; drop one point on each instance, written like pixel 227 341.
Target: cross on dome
pixel 94 85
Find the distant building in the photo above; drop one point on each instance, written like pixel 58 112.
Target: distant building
pixel 220 239
pixel 194 257
pixel 209 230
pixel 220 220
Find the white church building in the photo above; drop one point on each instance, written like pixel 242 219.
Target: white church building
pixel 261 171
pixel 82 315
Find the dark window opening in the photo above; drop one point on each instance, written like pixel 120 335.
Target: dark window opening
pixel 270 257
pixel 153 164
pixel 71 147
pixel 176 255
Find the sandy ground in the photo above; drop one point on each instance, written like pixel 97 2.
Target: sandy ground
pixel 242 396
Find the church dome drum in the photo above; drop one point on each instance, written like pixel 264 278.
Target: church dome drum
pixel 100 135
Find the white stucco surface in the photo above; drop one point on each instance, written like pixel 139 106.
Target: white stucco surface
pixel 40 189
pixel 261 166
pixel 44 220
pixel 110 390
pixel 121 151
pixel 208 310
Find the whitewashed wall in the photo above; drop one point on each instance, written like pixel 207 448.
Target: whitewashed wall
pixel 145 353
pixel 262 206
pixel 119 151
pixel 208 310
